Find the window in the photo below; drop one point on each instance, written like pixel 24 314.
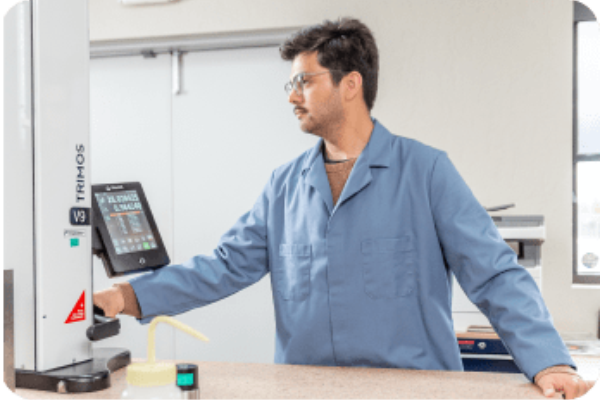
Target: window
pixel 586 146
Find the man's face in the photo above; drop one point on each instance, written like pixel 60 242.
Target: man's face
pixel 319 106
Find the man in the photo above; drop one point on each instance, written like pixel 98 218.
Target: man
pixel 360 235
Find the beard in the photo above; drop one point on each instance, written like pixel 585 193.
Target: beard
pixel 326 119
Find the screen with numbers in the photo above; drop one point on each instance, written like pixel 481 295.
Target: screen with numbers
pixel 126 237
pixel 126 221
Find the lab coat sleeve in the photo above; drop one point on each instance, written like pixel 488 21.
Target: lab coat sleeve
pixel 239 260
pixel 487 270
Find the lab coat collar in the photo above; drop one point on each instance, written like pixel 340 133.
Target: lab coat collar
pixel 377 153
pixel 378 150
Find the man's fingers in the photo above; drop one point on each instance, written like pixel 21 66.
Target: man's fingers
pixel 102 300
pixel 97 300
pixel 547 387
pixel 571 387
pixel 570 391
pixel 108 312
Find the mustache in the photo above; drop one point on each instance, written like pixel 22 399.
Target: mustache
pixel 300 109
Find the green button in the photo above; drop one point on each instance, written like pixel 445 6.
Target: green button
pixel 146 246
pixel 75 242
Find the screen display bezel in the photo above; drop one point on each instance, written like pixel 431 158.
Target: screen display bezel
pixel 136 261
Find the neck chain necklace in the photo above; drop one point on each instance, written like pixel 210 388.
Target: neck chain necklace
pixel 329 161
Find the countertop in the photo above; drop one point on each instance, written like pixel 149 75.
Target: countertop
pixel 246 380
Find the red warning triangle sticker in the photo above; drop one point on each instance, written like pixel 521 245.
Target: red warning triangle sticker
pixel 78 312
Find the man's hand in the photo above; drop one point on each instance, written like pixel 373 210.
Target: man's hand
pixel 571 385
pixel 110 300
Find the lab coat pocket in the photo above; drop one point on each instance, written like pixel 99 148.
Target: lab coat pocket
pixel 293 271
pixel 389 267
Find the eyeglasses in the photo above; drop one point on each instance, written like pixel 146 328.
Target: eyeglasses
pixel 297 83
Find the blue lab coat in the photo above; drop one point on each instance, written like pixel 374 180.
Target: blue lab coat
pixel 368 281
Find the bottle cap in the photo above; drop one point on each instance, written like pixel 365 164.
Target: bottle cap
pixel 187 376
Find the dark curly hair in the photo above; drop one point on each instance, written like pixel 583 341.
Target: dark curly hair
pixel 345 45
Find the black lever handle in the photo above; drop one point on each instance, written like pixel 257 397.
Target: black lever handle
pixel 104 327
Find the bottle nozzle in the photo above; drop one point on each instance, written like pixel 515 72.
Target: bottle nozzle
pixel 172 321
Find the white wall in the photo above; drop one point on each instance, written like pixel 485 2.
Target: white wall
pixel 489 82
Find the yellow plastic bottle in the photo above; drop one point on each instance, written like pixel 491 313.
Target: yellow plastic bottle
pixel 152 380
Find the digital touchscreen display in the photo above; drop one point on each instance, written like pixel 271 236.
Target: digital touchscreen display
pixel 126 221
